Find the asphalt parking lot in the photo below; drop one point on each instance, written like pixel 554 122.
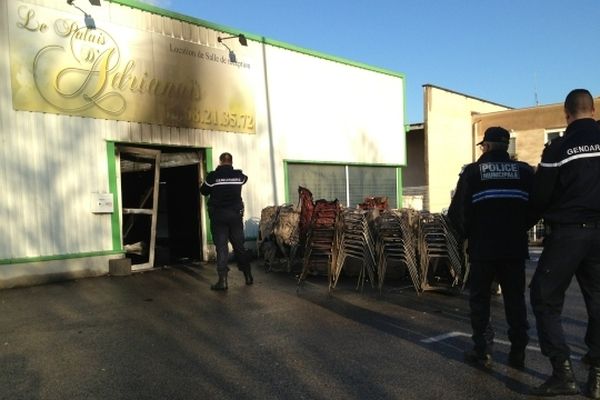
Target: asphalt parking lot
pixel 165 335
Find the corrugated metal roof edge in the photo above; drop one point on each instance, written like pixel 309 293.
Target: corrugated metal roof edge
pixel 261 39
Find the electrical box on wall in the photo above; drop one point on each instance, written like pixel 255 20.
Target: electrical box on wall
pixel 102 203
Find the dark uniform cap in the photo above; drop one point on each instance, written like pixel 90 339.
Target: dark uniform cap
pixel 495 134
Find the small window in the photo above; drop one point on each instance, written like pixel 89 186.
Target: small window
pixel 551 135
pixel 350 184
pixel 512 148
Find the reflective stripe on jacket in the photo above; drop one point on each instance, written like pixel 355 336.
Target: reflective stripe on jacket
pixel 566 185
pixel 490 207
pixel 224 186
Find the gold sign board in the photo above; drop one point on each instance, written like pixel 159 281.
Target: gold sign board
pixel 113 72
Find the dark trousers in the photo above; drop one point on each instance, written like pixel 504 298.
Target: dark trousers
pixel 227 226
pixel 511 277
pixel 568 251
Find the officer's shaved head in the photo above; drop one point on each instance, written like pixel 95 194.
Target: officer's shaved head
pixel 579 104
pixel 226 159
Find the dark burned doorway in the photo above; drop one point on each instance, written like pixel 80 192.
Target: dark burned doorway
pixel 160 205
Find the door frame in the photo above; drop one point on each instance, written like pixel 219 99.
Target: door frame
pixel 154 155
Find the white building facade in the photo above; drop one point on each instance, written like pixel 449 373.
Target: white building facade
pixel 106 133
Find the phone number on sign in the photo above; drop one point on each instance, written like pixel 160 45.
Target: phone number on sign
pixel 222 119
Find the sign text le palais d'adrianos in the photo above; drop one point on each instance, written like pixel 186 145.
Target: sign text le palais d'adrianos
pixel 120 73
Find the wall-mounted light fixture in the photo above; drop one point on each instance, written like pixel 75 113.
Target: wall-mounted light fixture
pixel 240 37
pixel 89 21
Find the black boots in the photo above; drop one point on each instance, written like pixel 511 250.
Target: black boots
pixel 592 388
pixel 248 275
pixel 516 359
pixel 221 284
pixel 562 381
pixel 480 359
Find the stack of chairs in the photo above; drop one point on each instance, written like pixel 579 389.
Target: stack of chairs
pixel 395 244
pixel 353 240
pixel 266 245
pixel 287 233
pixel 441 260
pixel 278 237
pixel 409 223
pixel 456 252
pixel 319 246
pixel 306 205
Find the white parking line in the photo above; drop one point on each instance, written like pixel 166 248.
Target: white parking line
pixel 448 335
pixel 444 336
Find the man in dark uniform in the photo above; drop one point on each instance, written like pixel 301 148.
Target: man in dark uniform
pixel 490 209
pixel 226 211
pixel 566 193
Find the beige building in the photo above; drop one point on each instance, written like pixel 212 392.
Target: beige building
pixel 454 124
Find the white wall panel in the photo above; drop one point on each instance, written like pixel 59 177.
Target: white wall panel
pixel 49 165
pixel 342 113
pixel 8 200
pixel 321 110
pixel 53 166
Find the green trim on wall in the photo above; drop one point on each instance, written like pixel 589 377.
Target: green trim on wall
pixel 257 38
pixel 112 188
pixel 209 159
pixel 314 53
pixel 209 167
pixel 24 260
pixel 340 163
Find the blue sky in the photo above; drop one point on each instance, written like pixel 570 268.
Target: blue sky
pixel 509 52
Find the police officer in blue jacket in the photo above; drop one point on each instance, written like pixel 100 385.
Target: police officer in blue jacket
pixel 226 211
pixel 566 194
pixel 490 208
